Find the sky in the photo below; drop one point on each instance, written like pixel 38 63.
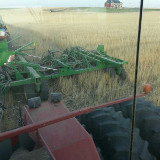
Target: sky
pixel 74 3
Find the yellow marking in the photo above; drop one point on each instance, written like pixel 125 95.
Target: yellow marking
pixel 25 94
pixel 107 76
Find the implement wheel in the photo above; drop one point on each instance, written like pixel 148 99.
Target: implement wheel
pixel 5 149
pixel 111 131
pixel 123 74
pixel 44 93
pixel 110 73
pixel 29 91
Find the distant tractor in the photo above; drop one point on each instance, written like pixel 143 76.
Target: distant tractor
pixel 113 4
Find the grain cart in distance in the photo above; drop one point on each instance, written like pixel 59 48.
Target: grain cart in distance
pixel 17 70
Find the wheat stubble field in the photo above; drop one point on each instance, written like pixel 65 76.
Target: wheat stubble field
pixel 117 31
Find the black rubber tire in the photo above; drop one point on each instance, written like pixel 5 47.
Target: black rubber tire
pixel 111 72
pixel 26 142
pixel 44 93
pixel 125 107
pixel 29 91
pixel 56 97
pixel 100 153
pixel 5 149
pixel 111 131
pixel 34 102
pixel 123 74
pixel 147 120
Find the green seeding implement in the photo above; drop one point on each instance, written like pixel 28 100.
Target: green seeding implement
pixel 16 69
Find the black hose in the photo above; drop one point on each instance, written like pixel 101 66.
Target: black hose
pixel 135 82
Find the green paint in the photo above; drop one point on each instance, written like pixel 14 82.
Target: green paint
pixel 73 61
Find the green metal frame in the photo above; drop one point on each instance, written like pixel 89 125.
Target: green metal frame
pixel 74 61
pixel 68 63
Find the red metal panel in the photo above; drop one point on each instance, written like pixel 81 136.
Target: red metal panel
pixel 82 148
pixel 2 37
pixel 43 123
pixel 109 5
pixel 34 135
pixel 14 140
pixel 66 140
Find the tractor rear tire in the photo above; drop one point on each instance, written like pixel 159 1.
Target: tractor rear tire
pixel 147 120
pixel 111 131
pixel 29 91
pixel 5 149
pixel 26 142
pixel 44 93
